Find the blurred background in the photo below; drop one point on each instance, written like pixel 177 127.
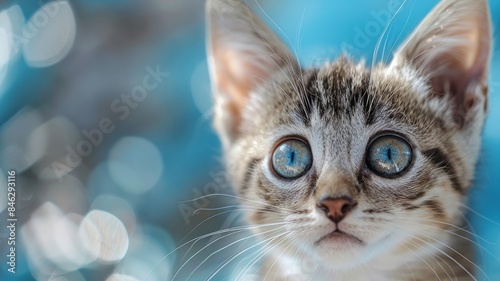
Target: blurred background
pixel 105 115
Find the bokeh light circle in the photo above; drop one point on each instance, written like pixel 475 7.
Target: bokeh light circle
pixel 46 250
pixel 49 34
pixel 201 89
pixel 135 164
pixel 104 236
pixel 159 262
pixel 5 39
pixel 11 20
pixel 118 207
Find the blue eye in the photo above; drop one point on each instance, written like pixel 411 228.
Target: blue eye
pixel 389 156
pixel 291 159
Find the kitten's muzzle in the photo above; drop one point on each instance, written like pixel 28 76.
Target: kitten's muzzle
pixel 336 208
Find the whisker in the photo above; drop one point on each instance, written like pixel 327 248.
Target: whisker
pixel 240 253
pixel 429 254
pixel 242 228
pixel 212 254
pixel 236 207
pixel 433 270
pixel 259 256
pixel 299 33
pixel 276 259
pixel 480 215
pixel 211 217
pixel 451 225
pixel 460 236
pixel 403 28
pixel 411 270
pixel 447 255
pixel 482 256
pixel 199 224
pixel 377 46
pixel 236 197
pixel 422 259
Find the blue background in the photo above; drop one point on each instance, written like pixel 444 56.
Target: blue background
pixel 115 42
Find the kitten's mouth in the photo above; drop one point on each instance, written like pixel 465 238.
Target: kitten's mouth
pixel 340 237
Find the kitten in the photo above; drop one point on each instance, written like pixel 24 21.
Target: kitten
pixel 354 173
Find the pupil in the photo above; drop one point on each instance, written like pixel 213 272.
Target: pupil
pixel 292 157
pixel 389 154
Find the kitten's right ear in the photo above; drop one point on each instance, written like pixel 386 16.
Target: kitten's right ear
pixel 451 48
pixel 243 53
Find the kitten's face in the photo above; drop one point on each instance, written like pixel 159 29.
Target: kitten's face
pixel 348 134
pixel 346 164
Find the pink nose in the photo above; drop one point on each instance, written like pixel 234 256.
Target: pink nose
pixel 336 208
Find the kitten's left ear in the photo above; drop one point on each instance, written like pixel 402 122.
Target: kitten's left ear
pixel 451 49
pixel 243 54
